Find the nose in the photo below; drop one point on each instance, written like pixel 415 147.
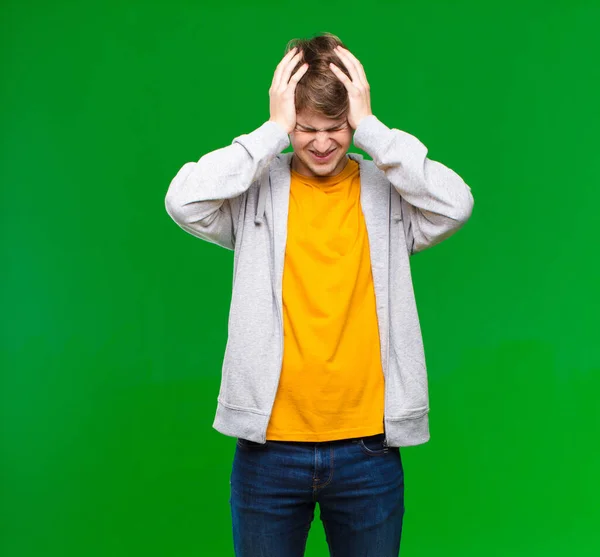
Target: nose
pixel 321 142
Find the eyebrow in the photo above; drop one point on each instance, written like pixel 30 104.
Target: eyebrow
pixel 327 129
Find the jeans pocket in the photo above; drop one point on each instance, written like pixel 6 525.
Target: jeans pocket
pixel 250 445
pixel 373 445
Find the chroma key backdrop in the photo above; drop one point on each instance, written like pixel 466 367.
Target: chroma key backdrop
pixel 114 320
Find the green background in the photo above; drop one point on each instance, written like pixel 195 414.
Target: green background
pixel 114 320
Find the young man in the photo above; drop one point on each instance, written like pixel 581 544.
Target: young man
pixel 324 375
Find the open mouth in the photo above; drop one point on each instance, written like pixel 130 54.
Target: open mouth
pixel 324 157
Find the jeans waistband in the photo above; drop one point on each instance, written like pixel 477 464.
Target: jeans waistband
pixel 377 436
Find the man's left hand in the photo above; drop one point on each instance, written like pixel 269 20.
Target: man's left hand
pixel 359 94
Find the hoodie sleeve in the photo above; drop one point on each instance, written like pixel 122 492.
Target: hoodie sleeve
pixel 204 197
pixel 435 201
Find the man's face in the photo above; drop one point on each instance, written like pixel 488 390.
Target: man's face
pixel 306 141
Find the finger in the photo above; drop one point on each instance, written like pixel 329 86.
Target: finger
pixel 278 69
pixel 284 68
pixel 349 64
pixel 299 73
pixel 296 78
pixel 342 77
pixel 287 56
pixel 351 60
pixel 287 71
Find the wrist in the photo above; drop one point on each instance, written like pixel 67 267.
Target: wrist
pixel 281 126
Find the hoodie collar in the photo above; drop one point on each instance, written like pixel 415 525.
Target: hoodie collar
pixel 280 168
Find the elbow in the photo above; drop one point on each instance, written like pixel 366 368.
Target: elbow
pixel 173 208
pixel 464 209
pixel 173 198
pixel 468 209
pixel 180 212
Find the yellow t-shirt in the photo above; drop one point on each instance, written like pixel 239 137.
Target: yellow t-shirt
pixel 332 384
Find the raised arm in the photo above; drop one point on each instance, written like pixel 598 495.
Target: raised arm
pixel 435 200
pixel 204 197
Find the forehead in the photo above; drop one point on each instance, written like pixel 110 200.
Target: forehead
pixel 314 120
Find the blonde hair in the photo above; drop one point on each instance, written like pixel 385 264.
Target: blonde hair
pixel 320 90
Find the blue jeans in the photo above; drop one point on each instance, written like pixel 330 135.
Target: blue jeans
pixel 358 483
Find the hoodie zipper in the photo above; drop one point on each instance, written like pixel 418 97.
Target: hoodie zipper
pixel 387 320
pixel 280 322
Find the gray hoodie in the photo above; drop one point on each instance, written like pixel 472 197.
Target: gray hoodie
pixel 237 197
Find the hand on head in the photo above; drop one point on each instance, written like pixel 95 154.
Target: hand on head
pixel 283 87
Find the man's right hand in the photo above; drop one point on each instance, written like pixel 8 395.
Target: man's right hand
pixel 281 93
